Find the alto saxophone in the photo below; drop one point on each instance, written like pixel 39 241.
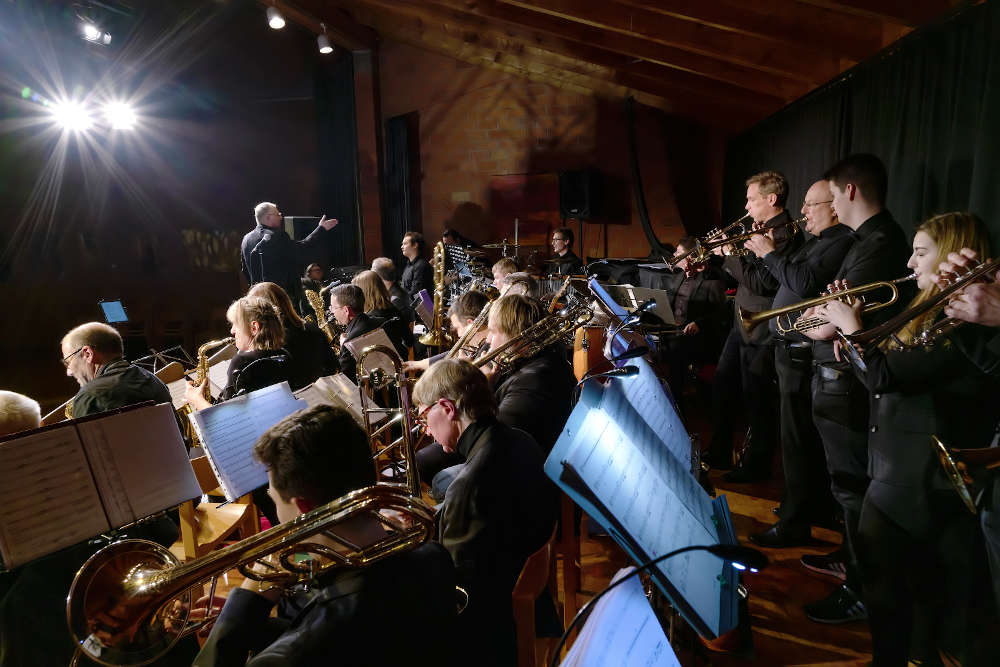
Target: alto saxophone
pixel 316 302
pixel 200 373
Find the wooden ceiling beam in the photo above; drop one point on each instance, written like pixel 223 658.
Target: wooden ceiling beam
pixel 912 13
pixel 763 54
pixel 565 36
pixel 815 28
pixel 340 28
pixel 560 72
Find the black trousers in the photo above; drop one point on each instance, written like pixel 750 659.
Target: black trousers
pixel 925 594
pixel 807 482
pixel 840 412
pixel 745 371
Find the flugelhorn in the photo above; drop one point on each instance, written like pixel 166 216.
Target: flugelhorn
pixel 751 321
pixel 130 602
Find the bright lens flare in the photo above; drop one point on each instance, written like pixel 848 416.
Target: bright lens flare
pixel 72 116
pixel 120 116
pixel 91 32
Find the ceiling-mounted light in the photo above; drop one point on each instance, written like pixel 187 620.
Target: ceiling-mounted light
pixel 324 42
pixel 91 33
pixel 275 19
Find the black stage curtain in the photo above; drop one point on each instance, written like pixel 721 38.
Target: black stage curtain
pixel 929 106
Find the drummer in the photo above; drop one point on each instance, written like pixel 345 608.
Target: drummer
pixel 564 261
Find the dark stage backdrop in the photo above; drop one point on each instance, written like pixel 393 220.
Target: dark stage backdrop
pixel 929 106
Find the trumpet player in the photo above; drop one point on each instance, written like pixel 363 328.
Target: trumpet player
pixel 801 275
pixel 858 184
pixel 747 360
pixel 911 521
pixel 313 457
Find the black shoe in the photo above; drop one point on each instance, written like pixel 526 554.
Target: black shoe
pixel 745 475
pixel 782 535
pixel 830 564
pixel 841 606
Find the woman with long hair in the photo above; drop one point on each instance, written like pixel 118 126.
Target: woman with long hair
pixel 378 304
pixel 919 551
pixel 310 351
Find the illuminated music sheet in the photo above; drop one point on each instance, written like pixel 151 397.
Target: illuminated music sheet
pixel 140 462
pixel 48 498
pixel 621 473
pixel 229 430
pixel 622 631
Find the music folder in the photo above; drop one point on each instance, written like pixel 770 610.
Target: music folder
pixel 68 482
pixel 631 473
pixel 337 390
pixel 229 430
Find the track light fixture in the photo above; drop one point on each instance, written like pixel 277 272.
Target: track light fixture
pixel 274 18
pixel 324 42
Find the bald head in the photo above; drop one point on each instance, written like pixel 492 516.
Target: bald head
pixel 818 208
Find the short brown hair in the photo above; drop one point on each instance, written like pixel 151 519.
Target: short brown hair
pixel 279 299
pixel 511 314
pixel 384 267
pixel 864 170
pixel 242 312
pixel 317 454
pixel 415 237
pixel 461 383
pixel 771 183
pixel 350 296
pixel 467 305
pixel 376 295
pixel 529 286
pixel 100 337
pixel 566 233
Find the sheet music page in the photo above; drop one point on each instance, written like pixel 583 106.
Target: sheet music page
pixel 48 496
pixel 218 377
pixel 177 389
pixel 339 391
pixel 140 462
pixel 378 360
pixel 622 630
pixel 650 512
pixel 230 429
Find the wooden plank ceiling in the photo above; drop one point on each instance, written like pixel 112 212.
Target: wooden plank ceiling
pixel 726 62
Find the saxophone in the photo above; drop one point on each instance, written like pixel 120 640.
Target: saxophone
pixel 316 302
pixel 200 373
pixel 438 336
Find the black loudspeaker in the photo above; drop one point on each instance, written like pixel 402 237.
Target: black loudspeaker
pixel 578 194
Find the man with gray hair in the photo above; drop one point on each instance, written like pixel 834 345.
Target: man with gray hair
pixel 268 253
pixel 93 355
pixel 18 413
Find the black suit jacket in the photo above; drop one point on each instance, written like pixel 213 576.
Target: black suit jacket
pixel 498 511
pixel 270 255
pixel 536 397
pixel 344 621
pixel 359 326
pixel 311 355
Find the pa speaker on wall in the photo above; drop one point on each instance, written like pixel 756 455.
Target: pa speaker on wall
pixel 578 194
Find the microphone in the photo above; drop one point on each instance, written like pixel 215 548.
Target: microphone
pixel 631 354
pixel 645 306
pixel 624 371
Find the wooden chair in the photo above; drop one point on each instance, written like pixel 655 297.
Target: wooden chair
pixel 538 573
pixel 204 527
pixel 568 547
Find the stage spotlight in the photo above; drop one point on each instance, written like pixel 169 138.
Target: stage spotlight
pixel 120 116
pixel 275 19
pixel 324 44
pixel 91 32
pixel 106 39
pixel 72 116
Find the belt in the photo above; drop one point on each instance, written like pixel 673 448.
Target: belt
pixel 793 344
pixel 827 373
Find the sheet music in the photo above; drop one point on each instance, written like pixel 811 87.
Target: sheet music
pixel 622 630
pixel 379 360
pixel 217 380
pixel 139 461
pixel 339 391
pixel 48 499
pixel 230 429
pixel 177 389
pixel 423 305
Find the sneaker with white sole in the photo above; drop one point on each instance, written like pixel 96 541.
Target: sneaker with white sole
pixel 829 564
pixel 841 606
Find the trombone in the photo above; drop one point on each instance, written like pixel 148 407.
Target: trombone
pixel 752 320
pixel 703 249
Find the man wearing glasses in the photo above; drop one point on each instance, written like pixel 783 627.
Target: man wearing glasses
pixel 564 261
pixel 94 356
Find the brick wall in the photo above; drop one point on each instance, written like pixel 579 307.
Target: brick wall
pixel 477 123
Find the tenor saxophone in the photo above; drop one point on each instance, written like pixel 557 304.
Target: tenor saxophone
pixel 316 302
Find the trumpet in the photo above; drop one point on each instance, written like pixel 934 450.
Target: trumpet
pixel 130 602
pixel 703 249
pixel 750 321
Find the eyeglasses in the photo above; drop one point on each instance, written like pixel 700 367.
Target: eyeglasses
pixel 558 238
pixel 421 419
pixel 816 203
pixel 65 360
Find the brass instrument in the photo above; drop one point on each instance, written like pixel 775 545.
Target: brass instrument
pixel 700 253
pixel 200 373
pixel 474 328
pixel 558 295
pixel 399 452
pixel 130 602
pixel 987 458
pixel 316 303
pixel 438 336
pixel 753 319
pixel 874 336
pixel 538 336
pixel 710 236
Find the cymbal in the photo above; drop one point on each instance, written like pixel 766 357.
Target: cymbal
pixel 510 245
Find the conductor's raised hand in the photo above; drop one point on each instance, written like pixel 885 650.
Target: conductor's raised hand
pixel 328 224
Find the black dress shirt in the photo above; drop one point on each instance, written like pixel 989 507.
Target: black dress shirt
pixel 417 275
pixel 880 252
pixel 567 265
pixel 807 271
pixel 359 326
